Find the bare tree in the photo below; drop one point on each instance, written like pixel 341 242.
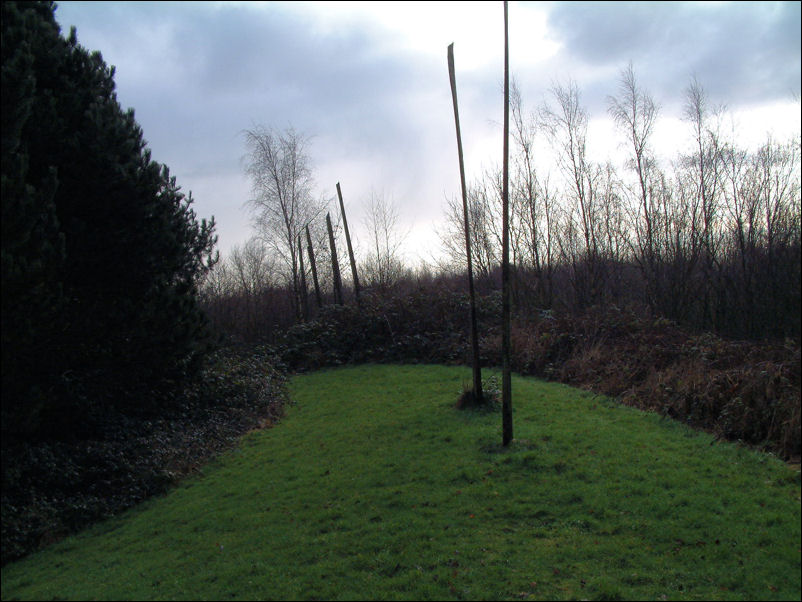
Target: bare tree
pixel 781 168
pixel 279 166
pixel 566 127
pixel 251 266
pixel 218 282
pixel 532 206
pixel 235 288
pixel 706 161
pixel 383 265
pixel 635 113
pixel 483 204
pixel 707 167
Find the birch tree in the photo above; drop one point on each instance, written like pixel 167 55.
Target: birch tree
pixel 566 124
pixel 635 113
pixel 280 170
pixel 383 265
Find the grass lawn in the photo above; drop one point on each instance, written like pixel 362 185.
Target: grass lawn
pixel 374 487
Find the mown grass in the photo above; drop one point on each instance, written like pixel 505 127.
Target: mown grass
pixel 375 487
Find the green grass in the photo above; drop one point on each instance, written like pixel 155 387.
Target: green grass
pixel 374 487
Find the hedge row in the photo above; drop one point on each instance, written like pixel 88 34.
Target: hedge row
pixel 738 390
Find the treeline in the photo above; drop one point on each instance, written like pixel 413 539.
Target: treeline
pixel 711 241
pixel 259 290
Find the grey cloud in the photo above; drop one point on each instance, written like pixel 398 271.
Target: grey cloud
pixel 724 45
pixel 224 69
pixel 276 72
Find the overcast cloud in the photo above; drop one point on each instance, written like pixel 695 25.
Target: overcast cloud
pixel 742 51
pixel 369 83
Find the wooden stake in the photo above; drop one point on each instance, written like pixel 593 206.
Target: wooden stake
pixel 506 381
pixel 350 249
pixel 304 292
pixel 335 265
pixel 314 267
pixel 477 370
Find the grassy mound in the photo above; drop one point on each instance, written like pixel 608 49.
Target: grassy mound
pixel 374 486
pixel 738 390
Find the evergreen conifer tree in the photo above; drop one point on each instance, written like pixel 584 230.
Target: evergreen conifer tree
pixel 101 252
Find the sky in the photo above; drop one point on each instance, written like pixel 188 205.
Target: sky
pixel 368 83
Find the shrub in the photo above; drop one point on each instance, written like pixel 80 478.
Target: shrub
pixel 491 396
pixel 53 488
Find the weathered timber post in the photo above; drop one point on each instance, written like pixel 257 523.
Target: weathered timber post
pixel 506 381
pixel 477 370
pixel 335 265
pixel 314 267
pixel 304 292
pixel 350 249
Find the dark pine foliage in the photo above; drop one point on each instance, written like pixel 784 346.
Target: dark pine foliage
pixel 101 252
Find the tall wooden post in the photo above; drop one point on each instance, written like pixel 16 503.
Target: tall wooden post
pixel 506 381
pixel 311 250
pixel 350 248
pixel 477 370
pixel 335 265
pixel 304 292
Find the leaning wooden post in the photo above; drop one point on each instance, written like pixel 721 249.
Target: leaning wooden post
pixel 311 250
pixel 335 265
pixel 506 381
pixel 477 370
pixel 350 249
pixel 304 292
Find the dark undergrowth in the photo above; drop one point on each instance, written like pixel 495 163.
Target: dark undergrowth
pixel 55 487
pixel 738 390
